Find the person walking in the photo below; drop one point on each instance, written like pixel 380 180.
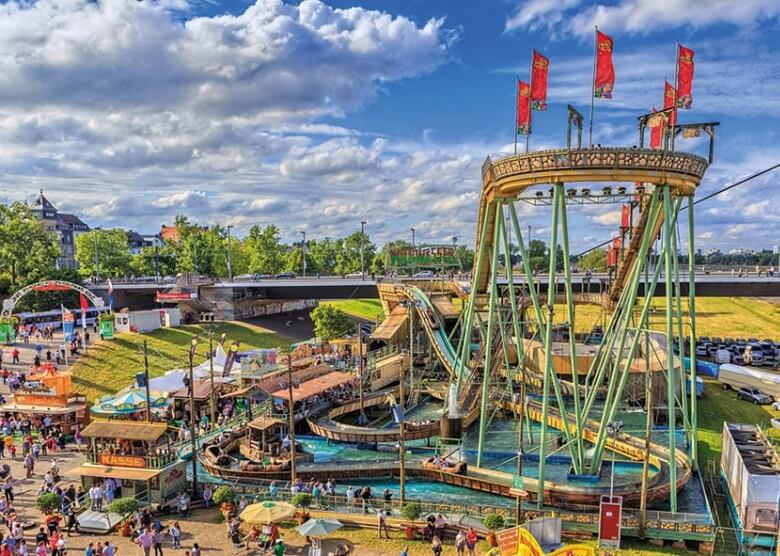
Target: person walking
pixel 460 543
pixel 471 541
pixel 175 532
pixel 436 546
pixel 145 540
pixel 381 523
pixel 158 544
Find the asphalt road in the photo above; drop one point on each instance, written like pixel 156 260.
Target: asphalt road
pixel 296 325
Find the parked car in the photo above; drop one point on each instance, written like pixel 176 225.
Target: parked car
pixel 285 275
pixel 425 274
pixel 753 395
pixel 354 275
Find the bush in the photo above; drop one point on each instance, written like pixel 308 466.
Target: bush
pixel 123 506
pixel 48 503
pixel 301 500
pixel 493 522
pixel 411 511
pixel 223 495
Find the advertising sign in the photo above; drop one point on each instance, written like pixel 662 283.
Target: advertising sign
pixel 175 296
pixel 431 256
pixel 116 460
pixel 610 516
pixel 507 541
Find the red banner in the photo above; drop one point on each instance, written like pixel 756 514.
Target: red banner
pixel 604 79
pixel 51 287
pixel 656 124
pixel 539 69
pixel 625 217
pixel 183 296
pixel 523 108
pixel 684 77
pixel 669 99
pixel 83 303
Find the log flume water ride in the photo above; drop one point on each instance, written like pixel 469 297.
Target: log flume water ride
pixel 665 179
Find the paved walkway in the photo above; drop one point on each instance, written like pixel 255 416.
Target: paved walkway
pixel 27 352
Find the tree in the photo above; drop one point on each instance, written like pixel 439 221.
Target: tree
pixel 330 322
pixel 321 256
pixel 48 503
pixel 153 260
pixel 348 256
pixel 537 248
pixel 27 251
pixel 595 260
pixel 113 253
pixel 263 251
pixel 124 506
pixel 465 256
pixel 293 260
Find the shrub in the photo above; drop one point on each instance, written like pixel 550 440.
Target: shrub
pixel 411 511
pixel 493 522
pixel 123 506
pixel 224 495
pixel 48 503
pixel 301 500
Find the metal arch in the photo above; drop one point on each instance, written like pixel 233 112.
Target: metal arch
pixel 10 304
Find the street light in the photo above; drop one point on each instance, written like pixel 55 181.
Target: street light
pixel 229 254
pixel 193 422
pixel 362 264
pixel 303 251
pixel 97 257
pixel 613 428
pixel 412 229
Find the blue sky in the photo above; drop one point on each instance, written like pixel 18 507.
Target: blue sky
pixel 316 115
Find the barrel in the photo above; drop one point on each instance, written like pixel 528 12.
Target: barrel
pixel 451 428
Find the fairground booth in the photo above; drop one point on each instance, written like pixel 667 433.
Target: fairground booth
pixel 138 456
pixel 48 393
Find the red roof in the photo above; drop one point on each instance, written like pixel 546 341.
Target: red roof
pixel 315 386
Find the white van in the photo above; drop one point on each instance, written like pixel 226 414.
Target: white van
pixel 736 377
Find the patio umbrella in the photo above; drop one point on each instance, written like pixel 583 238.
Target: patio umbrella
pixel 267 512
pixel 319 527
pixel 129 402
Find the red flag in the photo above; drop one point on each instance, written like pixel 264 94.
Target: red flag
pixel 669 100
pixel 539 69
pixel 625 217
pixel 83 303
pixel 684 77
pixel 604 79
pixel 656 123
pixel 523 108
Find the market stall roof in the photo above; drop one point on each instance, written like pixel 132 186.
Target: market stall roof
pixel 129 430
pixel 25 408
pixel 278 381
pixel 315 386
pixel 244 392
pixel 389 327
pixel 264 423
pixel 201 391
pixel 128 473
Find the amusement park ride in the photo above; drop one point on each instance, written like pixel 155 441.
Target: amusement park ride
pixel 515 355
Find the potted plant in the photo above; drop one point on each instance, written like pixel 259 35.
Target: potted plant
pixel 124 507
pixel 492 522
pixel 225 498
pixel 302 500
pixel 48 503
pixel 412 512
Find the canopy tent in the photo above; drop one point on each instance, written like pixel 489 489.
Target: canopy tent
pixel 130 402
pixel 315 386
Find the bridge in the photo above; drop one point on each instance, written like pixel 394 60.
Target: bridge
pixel 142 294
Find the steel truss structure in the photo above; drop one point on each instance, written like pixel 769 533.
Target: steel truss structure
pixel 504 315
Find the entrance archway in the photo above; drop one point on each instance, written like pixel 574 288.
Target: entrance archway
pixel 49 286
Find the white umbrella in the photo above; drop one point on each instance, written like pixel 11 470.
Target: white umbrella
pixel 319 527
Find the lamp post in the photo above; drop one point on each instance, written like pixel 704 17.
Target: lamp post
pixel 291 419
pixel 97 257
pixel 362 419
pixel 412 230
pixel 211 376
pixel 148 388
pixel 362 263
pixel 613 428
pixel 193 426
pixel 303 251
pixel 157 263
pixel 229 254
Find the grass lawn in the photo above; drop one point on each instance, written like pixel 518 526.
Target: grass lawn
pixel 368 309
pixel 109 366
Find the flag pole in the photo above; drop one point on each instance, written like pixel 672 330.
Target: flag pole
pixel 674 111
pixel 517 98
pixel 593 85
pixel 530 107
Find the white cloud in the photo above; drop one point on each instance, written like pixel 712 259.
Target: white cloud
pixel 637 16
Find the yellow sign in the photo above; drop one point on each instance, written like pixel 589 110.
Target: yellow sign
pixel 519 542
pixel 116 460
